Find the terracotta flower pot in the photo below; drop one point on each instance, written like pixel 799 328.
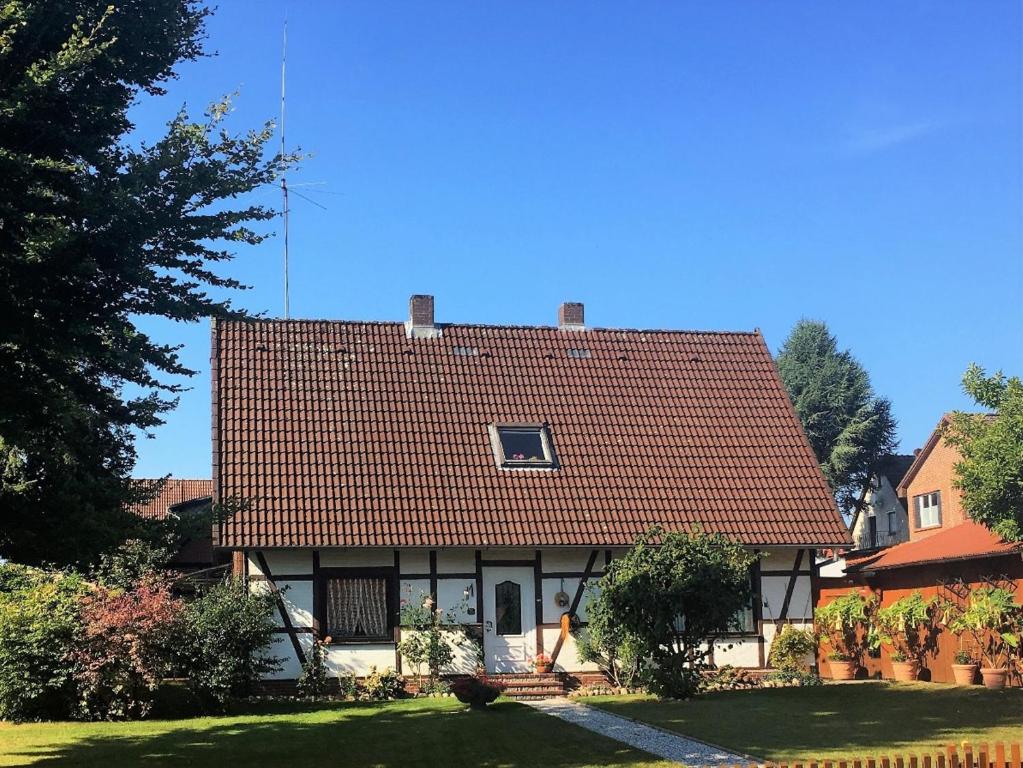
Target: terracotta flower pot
pixel 994 678
pixel 842 670
pixel 906 671
pixel 543 669
pixel 964 673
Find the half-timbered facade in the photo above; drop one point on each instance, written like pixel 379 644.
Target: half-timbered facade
pixel 497 470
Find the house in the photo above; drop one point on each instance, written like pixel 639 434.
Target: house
pixel 947 554
pixel 499 469
pixel 177 497
pixel 880 519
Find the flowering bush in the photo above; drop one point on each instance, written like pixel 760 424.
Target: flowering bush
pixel 125 649
pixel 381 686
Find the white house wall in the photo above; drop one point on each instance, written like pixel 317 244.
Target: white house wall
pixel 454 574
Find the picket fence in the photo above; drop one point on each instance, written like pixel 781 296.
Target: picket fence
pixel 997 755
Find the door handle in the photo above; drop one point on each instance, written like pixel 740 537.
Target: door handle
pixel 489 625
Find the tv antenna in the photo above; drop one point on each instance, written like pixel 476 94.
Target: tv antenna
pixel 284 180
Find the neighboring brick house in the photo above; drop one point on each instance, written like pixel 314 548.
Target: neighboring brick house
pixel 881 519
pixel 175 497
pixel 947 553
pixel 499 469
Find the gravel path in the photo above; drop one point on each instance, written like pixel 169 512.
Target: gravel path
pixel 657 741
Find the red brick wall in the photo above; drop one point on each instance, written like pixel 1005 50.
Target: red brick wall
pixel 936 474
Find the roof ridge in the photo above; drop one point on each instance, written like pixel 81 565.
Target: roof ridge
pixel 507 326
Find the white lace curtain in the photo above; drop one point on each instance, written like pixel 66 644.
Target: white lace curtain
pixel 357 607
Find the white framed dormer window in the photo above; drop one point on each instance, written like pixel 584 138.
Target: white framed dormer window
pixel 928 509
pixel 523 446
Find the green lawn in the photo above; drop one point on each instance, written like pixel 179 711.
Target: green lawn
pixel 418 732
pixel 835 720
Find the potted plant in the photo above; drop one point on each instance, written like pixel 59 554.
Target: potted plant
pixel 541 663
pixel 838 625
pixel 994 620
pixel 965 668
pixel 899 626
pixel 476 691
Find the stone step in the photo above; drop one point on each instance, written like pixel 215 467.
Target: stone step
pixel 534 693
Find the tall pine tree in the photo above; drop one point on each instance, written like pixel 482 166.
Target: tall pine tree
pixel 97 230
pixel 849 427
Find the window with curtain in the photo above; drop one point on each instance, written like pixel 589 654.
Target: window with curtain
pixel 357 608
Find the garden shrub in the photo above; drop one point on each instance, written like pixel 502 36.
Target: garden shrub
pixel 125 650
pixel 790 648
pixel 314 679
pixel 794 677
pixel 39 622
pixel 347 687
pixel 227 632
pixel 381 686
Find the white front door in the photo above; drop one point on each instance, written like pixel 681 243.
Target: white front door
pixel 509 619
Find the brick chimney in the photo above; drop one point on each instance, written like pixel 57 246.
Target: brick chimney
pixel 420 323
pixel 570 316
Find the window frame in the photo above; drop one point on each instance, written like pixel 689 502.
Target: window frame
pixel 546 442
pixel 918 509
pixel 323 575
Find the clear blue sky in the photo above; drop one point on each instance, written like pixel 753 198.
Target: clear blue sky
pixel 672 165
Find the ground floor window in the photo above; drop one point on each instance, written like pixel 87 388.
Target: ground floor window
pixel 357 608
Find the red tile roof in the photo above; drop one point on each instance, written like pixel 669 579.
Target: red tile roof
pixel 351 434
pixel 175 491
pixel 966 541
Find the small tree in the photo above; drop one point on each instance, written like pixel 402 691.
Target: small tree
pixel 990 474
pixel 839 623
pixel 675 593
pixel 899 626
pixel 314 679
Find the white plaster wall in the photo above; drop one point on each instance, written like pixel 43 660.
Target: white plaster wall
pixel 568 657
pixel 284 651
pixel 456 561
pixel 356 558
pixel 781 560
pixel 414 560
pixel 298 601
pixel 773 593
pixel 283 561
pixel 740 652
pixel 464 663
pixel 570 560
pixel 359 659
pixel 451 599
pixel 551 587
pixel 508 553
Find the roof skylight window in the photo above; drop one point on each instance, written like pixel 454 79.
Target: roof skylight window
pixel 522 446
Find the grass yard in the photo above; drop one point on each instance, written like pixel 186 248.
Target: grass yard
pixel 835 720
pixel 417 732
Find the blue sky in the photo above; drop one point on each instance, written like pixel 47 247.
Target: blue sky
pixel 672 165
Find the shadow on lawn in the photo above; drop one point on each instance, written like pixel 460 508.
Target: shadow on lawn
pixel 861 717
pixel 348 735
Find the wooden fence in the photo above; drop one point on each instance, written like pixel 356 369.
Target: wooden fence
pixel 997 755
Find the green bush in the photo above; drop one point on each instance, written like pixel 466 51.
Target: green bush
pixel 227 633
pixel 380 686
pixel 39 623
pixel 790 648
